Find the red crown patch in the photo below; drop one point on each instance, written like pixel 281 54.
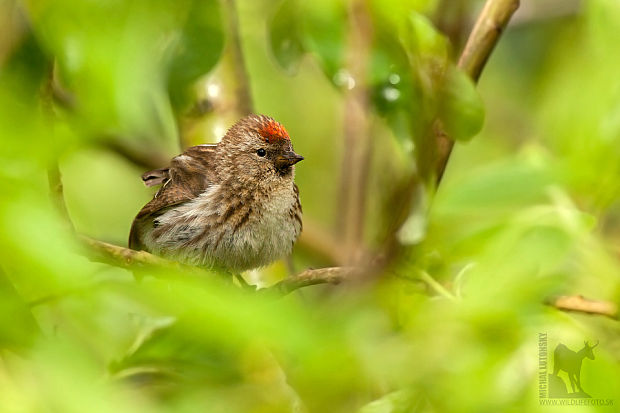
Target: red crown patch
pixel 272 131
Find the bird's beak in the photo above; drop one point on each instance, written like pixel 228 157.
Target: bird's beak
pixel 287 159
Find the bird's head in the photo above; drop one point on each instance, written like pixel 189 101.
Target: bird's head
pixel 258 147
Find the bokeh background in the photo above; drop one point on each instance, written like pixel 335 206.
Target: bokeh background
pixel 528 209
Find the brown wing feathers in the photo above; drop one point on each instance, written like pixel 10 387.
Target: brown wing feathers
pixel 156 177
pixel 188 175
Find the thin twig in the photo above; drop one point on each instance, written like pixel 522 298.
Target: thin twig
pixel 147 158
pixel 53 172
pixel 452 19
pixel 330 275
pixel 485 34
pixel 55 93
pixel 106 253
pixel 435 285
pixel 57 194
pixel 242 88
pixel 580 304
pixel 491 22
pixel 126 258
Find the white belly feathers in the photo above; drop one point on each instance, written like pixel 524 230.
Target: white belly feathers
pixel 194 233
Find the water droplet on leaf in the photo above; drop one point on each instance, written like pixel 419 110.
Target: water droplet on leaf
pixel 213 90
pixel 344 79
pixel 391 94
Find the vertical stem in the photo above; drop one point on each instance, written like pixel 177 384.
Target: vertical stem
pixel 53 173
pixel 491 22
pixel 452 19
pixel 57 194
pixel 243 93
pixel 357 145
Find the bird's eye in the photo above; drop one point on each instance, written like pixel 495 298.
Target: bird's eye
pixel 261 152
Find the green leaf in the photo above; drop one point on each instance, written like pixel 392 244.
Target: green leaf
pixel 397 69
pixel 395 12
pixel 400 401
pixel 198 49
pixel 285 36
pixel 318 27
pixel 18 327
pixel 423 39
pixel 119 59
pixel 461 108
pixel 392 89
pixel 325 27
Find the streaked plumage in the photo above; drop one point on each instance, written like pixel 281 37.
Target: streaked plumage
pixel 225 205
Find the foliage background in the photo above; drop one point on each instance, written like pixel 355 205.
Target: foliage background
pixel 527 210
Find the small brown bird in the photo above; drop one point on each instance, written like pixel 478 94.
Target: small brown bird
pixel 232 205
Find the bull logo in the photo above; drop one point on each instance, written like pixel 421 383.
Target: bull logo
pixel 569 361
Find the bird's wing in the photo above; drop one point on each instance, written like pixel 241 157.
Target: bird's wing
pixel 188 175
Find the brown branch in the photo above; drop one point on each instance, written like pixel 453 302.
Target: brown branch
pixel 57 194
pixel 242 90
pixel 337 275
pixel 146 158
pixel 580 304
pixel 330 275
pixel 491 22
pixel 56 188
pixel 127 258
pixel 452 18
pixel 15 28
pixel 104 252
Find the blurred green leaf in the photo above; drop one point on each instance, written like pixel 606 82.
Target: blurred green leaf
pixel 197 48
pixel 397 402
pixel 117 58
pixel 168 356
pixel 461 108
pixel 423 40
pixel 318 27
pixel 427 53
pixel 325 32
pixel 18 327
pixel 285 36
